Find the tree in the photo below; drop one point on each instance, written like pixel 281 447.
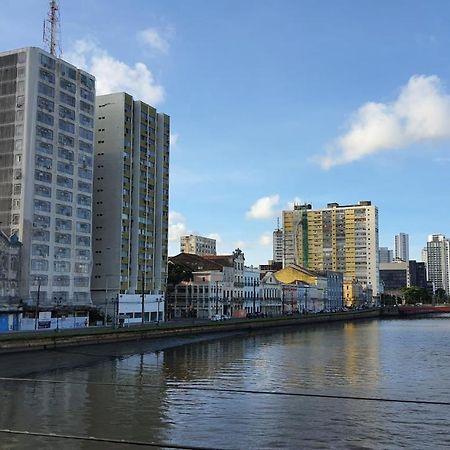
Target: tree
pixel 440 295
pixel 177 273
pixel 414 294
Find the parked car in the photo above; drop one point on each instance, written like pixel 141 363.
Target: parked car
pixel 216 317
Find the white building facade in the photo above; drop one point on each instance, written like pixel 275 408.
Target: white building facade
pixel 252 302
pixel 46 147
pixel 131 195
pixel 438 262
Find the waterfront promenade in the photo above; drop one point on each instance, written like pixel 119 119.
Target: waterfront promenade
pixel 42 340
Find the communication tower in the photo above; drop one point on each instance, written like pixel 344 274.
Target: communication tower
pixel 51 31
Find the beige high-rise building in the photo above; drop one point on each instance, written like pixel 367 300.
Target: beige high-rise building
pixel 131 195
pixel 197 245
pixel 339 238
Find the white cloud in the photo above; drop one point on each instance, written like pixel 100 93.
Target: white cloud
pixel 263 208
pixel 266 239
pixel 215 236
pixel 177 226
pixel 240 244
pixel 113 75
pixel 173 140
pixel 295 201
pixel 420 114
pixel 155 39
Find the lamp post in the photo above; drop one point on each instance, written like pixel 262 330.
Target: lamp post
pixel 254 295
pixel 36 320
pixel 217 297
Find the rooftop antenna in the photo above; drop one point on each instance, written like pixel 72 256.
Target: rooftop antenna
pixel 278 223
pixel 52 29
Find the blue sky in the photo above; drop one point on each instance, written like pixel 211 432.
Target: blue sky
pixel 272 101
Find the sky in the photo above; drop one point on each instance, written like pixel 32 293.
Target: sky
pixel 274 102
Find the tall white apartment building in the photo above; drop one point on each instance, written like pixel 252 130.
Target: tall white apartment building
pixel 46 149
pixel 402 247
pixel 342 238
pixel 438 261
pixel 131 198
pixel 197 245
pixel 277 245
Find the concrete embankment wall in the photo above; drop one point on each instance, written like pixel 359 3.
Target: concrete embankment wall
pixel 42 340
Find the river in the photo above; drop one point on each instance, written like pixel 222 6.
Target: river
pixel 180 403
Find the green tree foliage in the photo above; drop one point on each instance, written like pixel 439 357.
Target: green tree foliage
pixel 177 273
pixel 415 294
pixel 440 295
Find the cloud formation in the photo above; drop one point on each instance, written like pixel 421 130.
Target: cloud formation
pixel 177 226
pixel 266 239
pixel 113 75
pixel 419 115
pixel 155 39
pixel 173 139
pixel 264 208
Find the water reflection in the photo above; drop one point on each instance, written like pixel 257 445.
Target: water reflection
pixel 401 359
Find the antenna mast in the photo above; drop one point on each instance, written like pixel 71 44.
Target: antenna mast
pixel 51 29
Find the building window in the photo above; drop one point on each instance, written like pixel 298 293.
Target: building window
pixel 66 113
pixel 69 127
pixel 86 107
pixel 66 140
pixel 62 252
pixel 68 85
pixel 44 89
pixel 83 241
pixel 44 133
pixel 63 238
pixel 46 104
pixel 65 153
pixel 64 210
pixel 83 213
pixel 63 224
pixel 44 147
pixel 61 266
pixel 64 181
pixel 47 62
pixel 65 196
pixel 43 191
pixel 84 187
pixel 40 250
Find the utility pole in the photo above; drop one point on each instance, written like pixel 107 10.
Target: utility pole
pixel 254 295
pixel 36 320
pixel 143 297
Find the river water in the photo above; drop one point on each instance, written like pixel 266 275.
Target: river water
pixel 392 359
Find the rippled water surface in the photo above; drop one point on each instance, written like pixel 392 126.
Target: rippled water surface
pixel 395 359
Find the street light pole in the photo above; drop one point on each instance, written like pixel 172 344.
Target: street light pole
pixel 254 295
pixel 36 320
pixel 143 298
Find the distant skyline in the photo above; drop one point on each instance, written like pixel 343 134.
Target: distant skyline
pixel 274 102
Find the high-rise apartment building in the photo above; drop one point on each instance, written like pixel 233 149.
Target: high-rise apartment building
pixel 197 245
pixel 337 238
pixel 278 245
pixel 402 247
pixel 46 149
pixel 438 261
pixel 385 255
pixel 131 198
